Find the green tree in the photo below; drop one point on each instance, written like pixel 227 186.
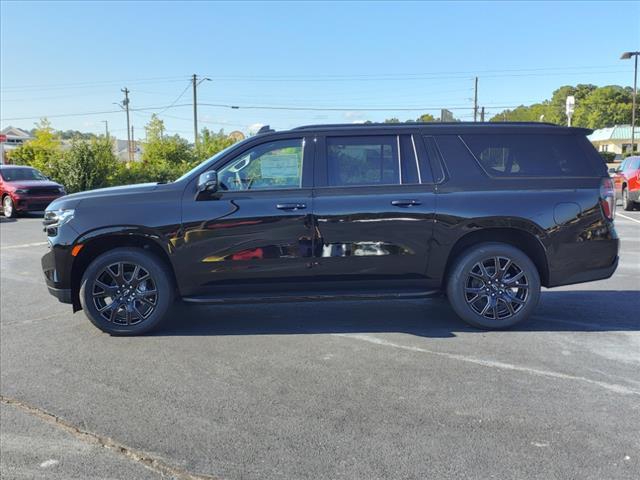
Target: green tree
pixel 88 164
pixel 426 117
pixel 211 143
pixel 604 107
pixel 596 107
pixel 44 152
pixel 159 149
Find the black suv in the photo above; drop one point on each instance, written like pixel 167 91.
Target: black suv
pixel 486 213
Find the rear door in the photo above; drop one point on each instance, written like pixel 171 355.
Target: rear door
pixel 374 205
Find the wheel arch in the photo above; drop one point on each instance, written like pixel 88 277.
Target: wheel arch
pixel 97 243
pixel 521 239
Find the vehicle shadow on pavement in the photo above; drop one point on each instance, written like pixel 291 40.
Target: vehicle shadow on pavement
pixel 574 311
pixel 4 219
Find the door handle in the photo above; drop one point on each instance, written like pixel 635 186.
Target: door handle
pixel 291 206
pixel 405 203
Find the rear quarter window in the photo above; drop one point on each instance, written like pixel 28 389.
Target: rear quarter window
pixel 533 155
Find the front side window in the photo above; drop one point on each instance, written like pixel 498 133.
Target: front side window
pixel 272 165
pixel 362 161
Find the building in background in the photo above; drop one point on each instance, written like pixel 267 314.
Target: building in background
pixel 121 149
pixel 10 139
pixel 615 139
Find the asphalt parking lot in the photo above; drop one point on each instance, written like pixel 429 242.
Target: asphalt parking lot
pixel 326 390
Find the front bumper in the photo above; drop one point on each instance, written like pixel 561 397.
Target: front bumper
pixel 32 203
pixel 634 195
pixel 62 294
pixel 57 263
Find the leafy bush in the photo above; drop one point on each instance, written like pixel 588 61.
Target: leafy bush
pixel 149 171
pixel 90 162
pixel 608 157
pixel 86 165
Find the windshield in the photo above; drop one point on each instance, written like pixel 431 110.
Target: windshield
pixel 13 174
pixel 213 159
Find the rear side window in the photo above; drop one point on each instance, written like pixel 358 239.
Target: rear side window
pixel 534 155
pixel 363 161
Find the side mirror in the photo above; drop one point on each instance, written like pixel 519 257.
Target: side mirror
pixel 613 170
pixel 208 182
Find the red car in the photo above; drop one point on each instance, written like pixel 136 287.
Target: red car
pixel 25 189
pixel 626 179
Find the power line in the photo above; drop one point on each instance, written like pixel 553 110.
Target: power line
pixel 63 86
pixel 176 100
pixel 279 107
pixel 537 71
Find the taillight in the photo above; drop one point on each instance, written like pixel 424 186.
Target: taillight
pixel 607 197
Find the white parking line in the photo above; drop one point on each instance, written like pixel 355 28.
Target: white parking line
pixel 491 363
pixel 628 218
pixel 24 245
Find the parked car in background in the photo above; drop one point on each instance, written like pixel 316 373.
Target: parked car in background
pixel 626 179
pixel 25 189
pixel 486 213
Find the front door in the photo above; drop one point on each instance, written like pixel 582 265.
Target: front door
pixel 374 204
pixel 256 232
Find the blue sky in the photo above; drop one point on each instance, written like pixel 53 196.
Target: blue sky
pixel 60 58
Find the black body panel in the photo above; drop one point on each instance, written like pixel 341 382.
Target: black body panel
pixel 296 242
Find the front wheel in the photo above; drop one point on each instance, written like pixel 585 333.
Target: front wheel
pixel 493 285
pixel 7 207
pixel 126 291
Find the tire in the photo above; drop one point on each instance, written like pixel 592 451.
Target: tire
pixel 8 208
pixel 627 204
pixel 473 288
pixel 119 303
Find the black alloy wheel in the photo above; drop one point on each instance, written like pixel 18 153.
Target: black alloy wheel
pixel 493 285
pixel 496 288
pixel 127 291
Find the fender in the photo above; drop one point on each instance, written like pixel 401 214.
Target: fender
pixel 450 234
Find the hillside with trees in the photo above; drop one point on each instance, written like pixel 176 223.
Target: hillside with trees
pixel 596 107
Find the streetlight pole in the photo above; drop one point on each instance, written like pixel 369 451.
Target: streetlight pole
pixel 627 56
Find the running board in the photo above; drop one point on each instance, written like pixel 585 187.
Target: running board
pixel 311 297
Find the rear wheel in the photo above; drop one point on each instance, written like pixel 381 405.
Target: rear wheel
pixel 493 285
pixel 126 291
pixel 627 204
pixel 7 207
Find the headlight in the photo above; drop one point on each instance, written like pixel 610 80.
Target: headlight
pixel 62 190
pixel 57 218
pixel 21 190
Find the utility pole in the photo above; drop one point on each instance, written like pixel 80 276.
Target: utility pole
pixel 633 107
pixel 482 114
pixel 194 80
pixel 627 56
pixel 133 145
pixel 125 102
pixel 106 128
pixel 475 102
pixel 195 83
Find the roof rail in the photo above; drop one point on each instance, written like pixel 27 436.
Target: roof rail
pixel 265 129
pixel 425 124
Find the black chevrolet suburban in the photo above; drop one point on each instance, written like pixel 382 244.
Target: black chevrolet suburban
pixel 484 213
